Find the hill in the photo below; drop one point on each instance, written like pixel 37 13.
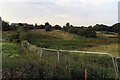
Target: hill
pixel 22 62
pixel 58 39
pixel 55 34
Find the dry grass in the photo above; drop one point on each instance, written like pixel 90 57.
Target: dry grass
pixel 112 48
pixel 54 33
pixel 107 35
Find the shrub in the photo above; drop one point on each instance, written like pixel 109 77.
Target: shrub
pixel 48 28
pixel 87 32
pixel 57 27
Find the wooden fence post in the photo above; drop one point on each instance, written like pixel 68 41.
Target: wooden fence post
pixel 86 74
pixel 66 68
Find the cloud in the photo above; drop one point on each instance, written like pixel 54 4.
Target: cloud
pixel 77 12
pixel 60 1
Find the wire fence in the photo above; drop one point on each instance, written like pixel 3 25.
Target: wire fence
pixel 75 64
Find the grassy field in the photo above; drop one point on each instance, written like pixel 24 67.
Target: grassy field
pixel 71 65
pixel 62 40
pixel 112 49
pixel 56 34
pixel 18 62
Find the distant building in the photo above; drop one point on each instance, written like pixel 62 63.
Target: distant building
pixel 0 24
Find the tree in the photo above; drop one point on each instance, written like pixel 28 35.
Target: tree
pixel 41 27
pixel 47 23
pixel 90 32
pixel 71 25
pixel 71 30
pixel 116 28
pixel 57 27
pixel 87 32
pixel 101 27
pixel 13 27
pixel 5 26
pixel 67 24
pixel 48 27
pixel 35 24
pixel 17 35
pixel 20 24
pixel 66 27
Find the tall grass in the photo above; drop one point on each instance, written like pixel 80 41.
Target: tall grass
pixel 22 63
pixel 112 49
pixel 71 65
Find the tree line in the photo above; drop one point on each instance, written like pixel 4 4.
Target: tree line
pixel 89 31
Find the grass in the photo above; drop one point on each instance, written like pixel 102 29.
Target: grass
pixel 55 39
pixel 71 65
pixel 107 34
pixel 112 48
pixel 78 62
pixel 57 34
pixel 10 51
pixel 17 64
pixel 21 64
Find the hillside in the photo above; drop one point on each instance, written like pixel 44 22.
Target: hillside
pixel 25 61
pixel 55 34
pixel 58 39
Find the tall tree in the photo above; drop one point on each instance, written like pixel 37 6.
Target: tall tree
pixel 67 24
pixel 5 26
pixel 116 28
pixel 48 27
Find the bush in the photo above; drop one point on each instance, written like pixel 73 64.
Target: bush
pixel 40 27
pixel 5 26
pixel 57 27
pixel 73 30
pixel 116 28
pixel 87 32
pixel 101 27
pixel 48 28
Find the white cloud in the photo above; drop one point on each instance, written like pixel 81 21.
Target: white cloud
pixel 93 1
pixel 77 12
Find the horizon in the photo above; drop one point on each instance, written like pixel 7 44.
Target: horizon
pixel 77 13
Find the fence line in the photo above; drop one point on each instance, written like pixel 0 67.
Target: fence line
pixel 87 52
pixel 114 60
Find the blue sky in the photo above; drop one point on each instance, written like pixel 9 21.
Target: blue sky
pixel 77 12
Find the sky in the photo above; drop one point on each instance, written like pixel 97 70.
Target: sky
pixel 76 12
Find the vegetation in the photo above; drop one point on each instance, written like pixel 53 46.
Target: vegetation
pixel 5 26
pixel 27 63
pixel 48 27
pixel 63 40
pixel 57 27
pixel 82 31
pixel 67 40
pixel 116 28
pixel 89 32
pixel 71 65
